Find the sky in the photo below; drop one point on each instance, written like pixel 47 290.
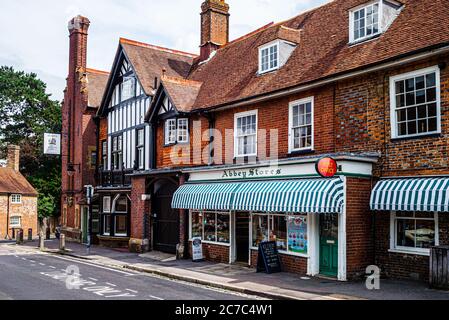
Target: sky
pixel 34 35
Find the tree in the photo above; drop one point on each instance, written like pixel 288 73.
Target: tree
pixel 26 113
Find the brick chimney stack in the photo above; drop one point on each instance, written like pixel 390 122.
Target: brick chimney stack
pixel 78 29
pixel 214 26
pixel 13 161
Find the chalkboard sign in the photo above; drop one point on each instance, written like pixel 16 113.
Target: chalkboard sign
pixel 268 259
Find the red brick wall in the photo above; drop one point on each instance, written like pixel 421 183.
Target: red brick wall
pixel 289 263
pixel 359 230
pixel 138 207
pixel 213 252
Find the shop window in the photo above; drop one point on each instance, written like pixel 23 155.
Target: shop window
pixel 121 205
pixel 288 231
pixel 121 225
pixel 415 232
pixel 107 204
pixel 106 224
pixel 260 229
pixel 210 226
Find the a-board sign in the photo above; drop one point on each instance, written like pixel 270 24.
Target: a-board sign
pixel 268 259
pixel 197 250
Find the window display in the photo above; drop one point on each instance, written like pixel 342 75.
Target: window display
pixel 260 229
pixel 210 226
pixel 289 232
pixel 415 231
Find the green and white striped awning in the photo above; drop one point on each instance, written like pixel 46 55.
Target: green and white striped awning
pixel 293 196
pixel 419 194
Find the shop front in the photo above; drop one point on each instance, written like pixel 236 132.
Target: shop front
pixel 235 209
pixel 411 217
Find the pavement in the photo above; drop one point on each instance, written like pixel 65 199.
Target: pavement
pixel 27 274
pixel 244 280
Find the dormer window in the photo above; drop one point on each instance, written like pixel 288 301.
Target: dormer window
pixel 366 21
pixel 371 19
pixel 269 57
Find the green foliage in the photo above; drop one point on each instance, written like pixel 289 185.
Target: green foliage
pixel 26 113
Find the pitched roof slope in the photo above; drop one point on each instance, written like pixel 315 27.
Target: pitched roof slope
pixel 149 61
pixel 96 84
pixel 323 51
pixel 183 93
pixel 12 181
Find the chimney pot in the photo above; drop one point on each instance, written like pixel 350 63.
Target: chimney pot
pixel 13 161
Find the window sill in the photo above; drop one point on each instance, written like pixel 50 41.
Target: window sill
pixel 416 253
pixel 363 40
pixel 301 152
pixel 423 136
pixel 214 243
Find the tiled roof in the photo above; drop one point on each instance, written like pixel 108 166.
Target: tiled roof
pixel 96 84
pixel 149 61
pixel 323 50
pixel 12 181
pixel 183 93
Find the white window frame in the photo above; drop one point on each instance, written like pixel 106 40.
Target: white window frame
pixel 108 200
pixel 291 137
pixel 202 213
pixel 130 86
pixel 118 234
pixel 178 137
pixel 15 225
pixel 236 136
pixel 409 250
pixel 352 20
pixel 270 217
pixel 104 224
pixel 276 44
pixel 393 114
pixel 16 198
pixel 140 146
pixel 167 129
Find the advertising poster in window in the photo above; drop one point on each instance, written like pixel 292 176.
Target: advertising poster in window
pixel 297 235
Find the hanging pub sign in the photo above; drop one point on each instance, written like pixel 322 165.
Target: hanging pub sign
pixel 52 144
pixel 327 167
pixel 197 250
pixel 268 259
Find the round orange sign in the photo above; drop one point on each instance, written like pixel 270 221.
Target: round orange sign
pixel 326 167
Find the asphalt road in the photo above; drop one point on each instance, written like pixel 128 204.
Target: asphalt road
pixel 31 276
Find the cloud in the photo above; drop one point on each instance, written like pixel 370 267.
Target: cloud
pixel 35 37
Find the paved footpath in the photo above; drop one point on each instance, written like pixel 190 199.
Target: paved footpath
pixel 245 280
pixel 29 275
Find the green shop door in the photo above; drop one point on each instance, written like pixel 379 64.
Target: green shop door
pixel 85 225
pixel 329 244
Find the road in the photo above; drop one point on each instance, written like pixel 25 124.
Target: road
pixel 27 275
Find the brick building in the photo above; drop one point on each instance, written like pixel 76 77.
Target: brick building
pixel 232 137
pixel 18 199
pixel 82 98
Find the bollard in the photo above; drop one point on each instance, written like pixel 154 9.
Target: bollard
pixel 30 234
pixel 62 242
pixel 41 241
